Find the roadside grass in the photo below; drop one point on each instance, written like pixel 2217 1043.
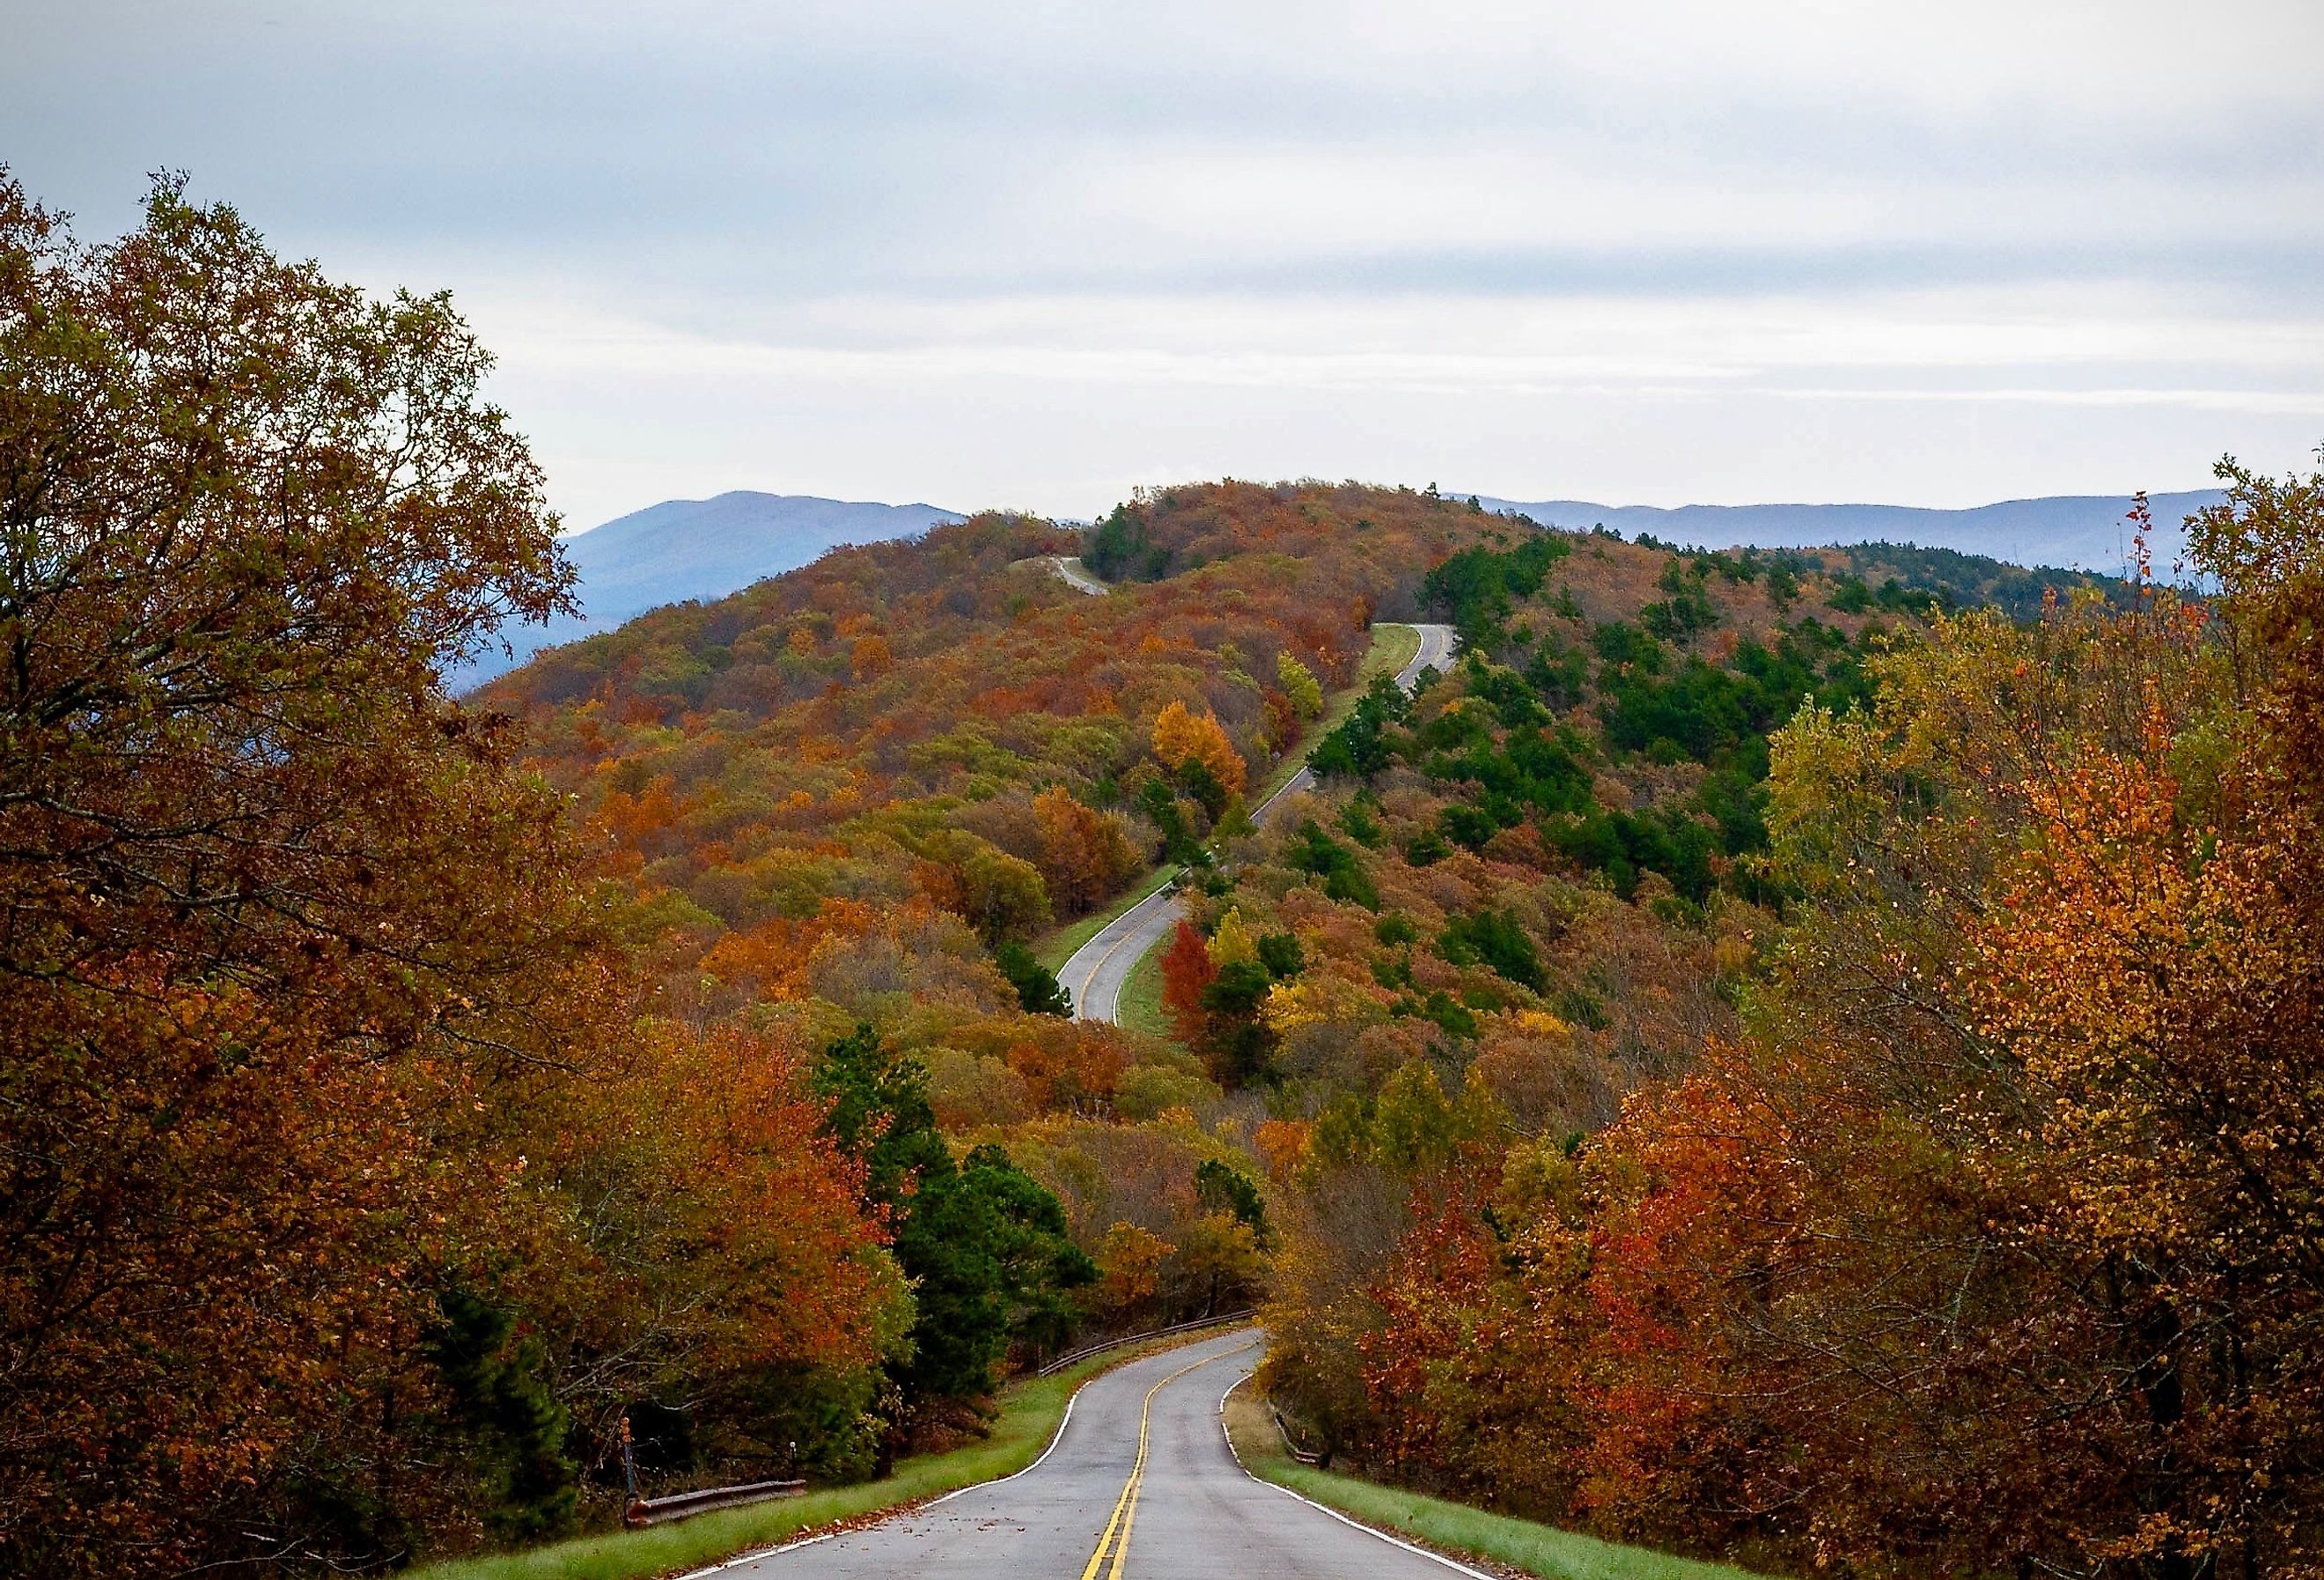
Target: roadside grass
pixel 1031 1411
pixel 1393 647
pixel 1454 1529
pixel 1140 1006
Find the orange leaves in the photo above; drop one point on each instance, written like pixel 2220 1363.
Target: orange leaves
pixel 1071 1066
pixel 725 1230
pixel 1085 855
pixel 1282 1146
pixel 1180 734
pixel 1186 970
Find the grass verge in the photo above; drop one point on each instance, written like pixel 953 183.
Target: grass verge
pixel 1454 1529
pixel 1030 1413
pixel 1140 1007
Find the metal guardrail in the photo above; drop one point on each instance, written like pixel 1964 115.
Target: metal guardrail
pixel 1291 1444
pixel 643 1511
pixel 1087 1350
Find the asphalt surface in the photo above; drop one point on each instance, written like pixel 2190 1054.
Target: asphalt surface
pixel 1140 1485
pixel 1096 971
pixel 1079 580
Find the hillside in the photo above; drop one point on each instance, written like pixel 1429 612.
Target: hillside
pixel 853 789
pixel 686 549
pixel 706 548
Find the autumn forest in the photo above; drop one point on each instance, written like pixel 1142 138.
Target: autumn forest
pixel 1807 1058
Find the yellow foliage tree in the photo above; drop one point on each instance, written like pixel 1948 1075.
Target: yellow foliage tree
pixel 1232 944
pixel 1180 734
pixel 1299 684
pixel 1321 998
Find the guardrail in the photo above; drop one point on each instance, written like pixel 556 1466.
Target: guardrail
pixel 1290 1443
pixel 644 1511
pixel 1087 1350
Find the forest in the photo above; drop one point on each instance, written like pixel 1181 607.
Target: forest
pixel 1814 1059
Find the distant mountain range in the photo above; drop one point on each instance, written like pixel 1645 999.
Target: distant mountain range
pixel 2081 531
pixel 708 548
pixel 698 549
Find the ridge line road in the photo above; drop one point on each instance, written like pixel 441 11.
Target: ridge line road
pixel 1095 973
pixel 1140 1484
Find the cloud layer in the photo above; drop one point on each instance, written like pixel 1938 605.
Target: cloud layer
pixel 1035 254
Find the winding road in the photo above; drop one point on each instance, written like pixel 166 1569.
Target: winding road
pixel 1139 1485
pixel 1096 971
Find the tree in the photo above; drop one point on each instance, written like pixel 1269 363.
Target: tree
pixel 1221 1188
pixel 1183 737
pixel 1037 987
pixel 984 1245
pixel 273 904
pixel 1085 855
pixel 1299 686
pixel 991 1261
pixel 1187 973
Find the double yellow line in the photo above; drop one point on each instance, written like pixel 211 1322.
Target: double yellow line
pixel 1116 1536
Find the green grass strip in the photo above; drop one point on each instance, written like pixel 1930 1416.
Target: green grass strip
pixel 1140 1007
pixel 1030 1413
pixel 1456 1529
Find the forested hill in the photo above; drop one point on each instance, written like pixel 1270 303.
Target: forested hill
pixel 945 721
pixel 866 794
pixel 851 729
pixel 2091 531
pixel 692 549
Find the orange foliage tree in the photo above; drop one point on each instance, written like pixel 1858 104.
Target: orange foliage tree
pixel 1181 735
pixel 1186 970
pixel 1085 855
pixel 317 1245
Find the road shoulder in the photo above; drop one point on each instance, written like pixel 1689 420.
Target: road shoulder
pixel 1466 1539
pixel 1033 1412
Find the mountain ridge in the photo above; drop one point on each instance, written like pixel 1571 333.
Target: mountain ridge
pixel 2079 531
pixel 706 548
pixel 683 549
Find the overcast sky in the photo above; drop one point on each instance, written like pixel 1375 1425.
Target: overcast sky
pixel 975 254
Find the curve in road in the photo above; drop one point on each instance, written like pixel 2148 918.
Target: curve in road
pixel 1139 1484
pixel 1078 578
pixel 1095 973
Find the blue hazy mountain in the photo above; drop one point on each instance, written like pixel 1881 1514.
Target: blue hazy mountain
pixel 699 549
pixel 2071 532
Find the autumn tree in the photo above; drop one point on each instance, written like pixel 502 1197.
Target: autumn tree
pixel 274 906
pixel 1185 741
pixel 1187 973
pixel 1085 855
pixel 1300 687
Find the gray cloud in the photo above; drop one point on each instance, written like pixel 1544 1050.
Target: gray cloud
pixel 975 251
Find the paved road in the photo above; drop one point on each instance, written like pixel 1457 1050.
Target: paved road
pixel 1096 971
pixel 1079 579
pixel 1140 1485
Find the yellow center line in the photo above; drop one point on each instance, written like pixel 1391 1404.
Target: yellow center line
pixel 1119 945
pixel 1125 1507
